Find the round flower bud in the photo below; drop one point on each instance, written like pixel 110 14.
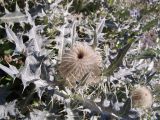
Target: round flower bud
pixel 79 61
pixel 142 97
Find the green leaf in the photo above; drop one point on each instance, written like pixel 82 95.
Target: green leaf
pixel 149 25
pixel 125 109
pixel 149 53
pixel 111 2
pixel 9 51
pixel 118 60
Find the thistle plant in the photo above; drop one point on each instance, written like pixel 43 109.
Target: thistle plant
pixel 101 49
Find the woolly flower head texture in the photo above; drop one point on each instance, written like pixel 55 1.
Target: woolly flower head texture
pixel 79 61
pixel 142 97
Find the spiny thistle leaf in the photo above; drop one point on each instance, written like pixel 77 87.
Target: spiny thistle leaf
pixel 38 115
pixel 20 47
pixel 9 109
pixel 31 70
pixel 118 60
pixel 41 85
pixel 14 17
pixel 12 70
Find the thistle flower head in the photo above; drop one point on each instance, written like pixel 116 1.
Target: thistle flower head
pixel 142 97
pixel 79 61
